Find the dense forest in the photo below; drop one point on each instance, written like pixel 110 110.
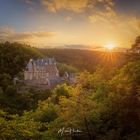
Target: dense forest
pixel 86 59
pixel 104 103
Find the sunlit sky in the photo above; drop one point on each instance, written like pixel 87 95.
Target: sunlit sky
pixel 70 23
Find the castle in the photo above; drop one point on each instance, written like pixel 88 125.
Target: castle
pixel 41 71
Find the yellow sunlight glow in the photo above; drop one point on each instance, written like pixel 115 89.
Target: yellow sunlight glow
pixel 110 46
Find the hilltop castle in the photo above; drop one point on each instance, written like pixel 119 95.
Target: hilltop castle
pixel 41 71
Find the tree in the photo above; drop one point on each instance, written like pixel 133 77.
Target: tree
pixel 16 127
pixel 66 68
pixel 136 46
pixel 14 56
pixel 11 90
pixel 134 53
pixel 46 112
pixel 5 80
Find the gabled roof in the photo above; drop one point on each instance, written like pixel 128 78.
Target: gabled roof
pixel 44 61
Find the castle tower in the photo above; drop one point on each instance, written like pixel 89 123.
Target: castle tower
pixel 41 71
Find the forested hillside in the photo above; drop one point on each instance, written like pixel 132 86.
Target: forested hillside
pixel 13 57
pixel 104 104
pixel 86 59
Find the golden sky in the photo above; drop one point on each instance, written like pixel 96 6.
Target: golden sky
pixel 72 23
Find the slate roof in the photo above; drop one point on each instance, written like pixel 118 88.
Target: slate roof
pixel 44 61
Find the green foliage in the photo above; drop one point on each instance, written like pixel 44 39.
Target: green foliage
pixel 11 90
pixel 62 90
pixel 13 102
pixel 136 45
pixel 128 78
pixel 13 57
pixel 134 52
pixel 1 94
pixel 1 91
pixel 103 107
pixel 46 112
pixel 18 128
pixel 104 104
pixel 5 80
pixel 66 68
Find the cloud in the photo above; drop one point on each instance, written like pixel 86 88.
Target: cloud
pixel 8 34
pixel 68 18
pixel 71 5
pixel 115 26
pixel 107 16
pixel 115 21
pixel 29 2
pixel 77 6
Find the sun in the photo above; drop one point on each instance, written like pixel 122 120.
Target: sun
pixel 110 46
